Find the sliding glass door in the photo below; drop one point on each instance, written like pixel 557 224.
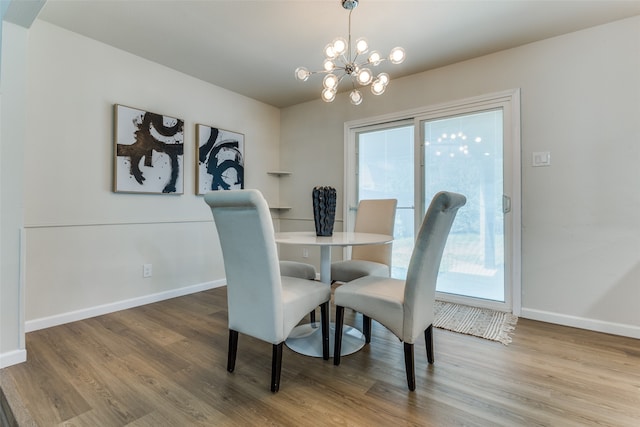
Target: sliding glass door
pixel 471 148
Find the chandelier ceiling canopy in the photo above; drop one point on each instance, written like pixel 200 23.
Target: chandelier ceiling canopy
pixel 344 61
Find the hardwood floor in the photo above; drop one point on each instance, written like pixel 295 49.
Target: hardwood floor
pixel 164 364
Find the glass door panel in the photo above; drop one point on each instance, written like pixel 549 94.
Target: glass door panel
pixel 385 170
pixel 464 154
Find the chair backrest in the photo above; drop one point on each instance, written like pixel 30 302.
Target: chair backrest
pixel 254 288
pixel 422 274
pixel 375 216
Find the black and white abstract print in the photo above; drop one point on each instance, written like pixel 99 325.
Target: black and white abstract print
pixel 149 152
pixel 220 159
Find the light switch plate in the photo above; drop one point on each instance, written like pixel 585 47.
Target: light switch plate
pixel 541 158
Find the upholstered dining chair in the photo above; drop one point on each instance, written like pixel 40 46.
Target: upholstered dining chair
pixel 297 269
pixel 301 270
pixel 405 307
pixel 261 302
pixel 373 216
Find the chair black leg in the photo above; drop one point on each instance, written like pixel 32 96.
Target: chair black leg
pixel 312 318
pixel 366 328
pixel 428 338
pixel 409 366
pixel 276 366
pixel 324 318
pixel 337 346
pixel 233 350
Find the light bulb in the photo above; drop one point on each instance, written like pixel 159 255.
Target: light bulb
pixel 377 87
pixel 356 97
pixel 329 52
pixel 362 46
pixel 330 81
pixel 302 74
pixel 339 46
pixel 328 95
pixel 397 55
pixel 384 78
pixel 328 65
pixel 364 76
pixel 375 58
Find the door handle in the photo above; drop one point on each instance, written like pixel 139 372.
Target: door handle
pixel 506 204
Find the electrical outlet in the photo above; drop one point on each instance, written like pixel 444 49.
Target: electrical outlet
pixel 305 253
pixel 147 270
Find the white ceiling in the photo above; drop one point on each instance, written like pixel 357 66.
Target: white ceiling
pixel 253 47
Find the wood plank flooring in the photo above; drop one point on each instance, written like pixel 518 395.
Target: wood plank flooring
pixel 164 364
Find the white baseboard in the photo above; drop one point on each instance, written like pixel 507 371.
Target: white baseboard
pixel 85 313
pixel 12 358
pixel 624 330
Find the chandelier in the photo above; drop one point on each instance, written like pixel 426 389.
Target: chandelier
pixel 342 61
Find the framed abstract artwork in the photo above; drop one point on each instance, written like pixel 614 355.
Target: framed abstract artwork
pixel 149 150
pixel 219 159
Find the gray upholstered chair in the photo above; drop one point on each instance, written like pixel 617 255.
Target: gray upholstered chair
pixel 405 307
pixel 297 269
pixel 373 216
pixel 261 302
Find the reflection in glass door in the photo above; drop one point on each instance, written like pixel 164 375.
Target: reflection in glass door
pixel 385 170
pixel 464 154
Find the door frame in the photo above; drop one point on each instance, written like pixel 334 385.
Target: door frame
pixel 512 159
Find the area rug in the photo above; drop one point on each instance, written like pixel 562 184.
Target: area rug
pixel 480 322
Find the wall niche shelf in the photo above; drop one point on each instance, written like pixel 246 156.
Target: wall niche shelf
pixel 279 174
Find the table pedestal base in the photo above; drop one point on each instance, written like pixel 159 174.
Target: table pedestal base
pixel 307 339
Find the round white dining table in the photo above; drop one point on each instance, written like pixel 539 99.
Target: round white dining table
pixel 307 339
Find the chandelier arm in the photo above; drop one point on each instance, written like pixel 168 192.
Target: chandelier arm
pixel 371 63
pixel 349 42
pixel 320 72
pixel 340 79
pixel 344 60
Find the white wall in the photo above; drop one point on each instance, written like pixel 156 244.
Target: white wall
pixel 580 99
pixel 85 244
pixel 13 87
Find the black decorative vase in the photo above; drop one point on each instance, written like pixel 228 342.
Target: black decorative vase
pixel 324 210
